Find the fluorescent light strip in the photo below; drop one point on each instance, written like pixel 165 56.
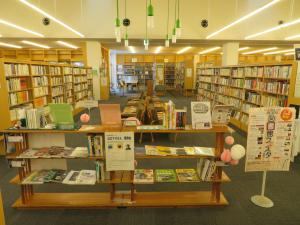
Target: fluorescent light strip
pixel 292 37
pixel 35 44
pixel 259 51
pixel 0 35
pixel 20 28
pixel 209 50
pixel 51 17
pixel 273 29
pixel 279 52
pixel 67 44
pixel 157 50
pixel 184 50
pixel 131 48
pixel 290 53
pixel 9 45
pixel 243 48
pixel 244 18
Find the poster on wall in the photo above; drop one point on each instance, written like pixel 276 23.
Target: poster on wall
pixel 297 54
pixel 270 138
pixel 119 150
pixel 201 115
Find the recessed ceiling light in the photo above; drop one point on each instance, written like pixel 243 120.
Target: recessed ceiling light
pixel 67 44
pixel 221 53
pixel 244 18
pixel 279 52
pixel 209 50
pixel 243 48
pixel 273 29
pixel 35 44
pixel 157 50
pixel 292 37
pixel 131 48
pixel 260 51
pixel 290 53
pixel 9 45
pixel 20 28
pixel 51 17
pixel 184 50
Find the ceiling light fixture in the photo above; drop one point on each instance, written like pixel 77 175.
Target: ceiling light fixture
pixel 146 44
pixel 243 48
pixel 20 28
pixel 292 37
pixel 150 15
pixel 273 29
pixel 9 45
pixel 279 52
pixel 132 50
pixel 209 50
pixel 244 18
pixel 35 44
pixel 157 50
pixel 184 50
pixel 67 44
pixel 290 53
pixel 260 51
pixel 51 17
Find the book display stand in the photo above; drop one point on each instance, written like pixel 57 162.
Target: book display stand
pixel 32 199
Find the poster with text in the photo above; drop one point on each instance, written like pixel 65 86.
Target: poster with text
pixel 119 151
pixel 201 115
pixel 270 137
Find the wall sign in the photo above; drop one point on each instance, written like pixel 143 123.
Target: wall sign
pixel 297 54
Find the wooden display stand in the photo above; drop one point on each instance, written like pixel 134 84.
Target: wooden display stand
pixel 2 217
pixel 30 199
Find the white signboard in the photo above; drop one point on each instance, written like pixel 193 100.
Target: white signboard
pixel 201 115
pixel 270 138
pixel 119 150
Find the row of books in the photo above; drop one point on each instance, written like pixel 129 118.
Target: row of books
pixel 237 72
pixel 58 99
pixel 80 87
pixel 16 84
pixel 205 71
pixel 79 71
pixel 276 87
pixel 68 86
pixel 164 151
pixel 40 101
pixel 278 72
pixel 40 81
pixel 54 70
pixel 82 177
pixel 253 97
pixel 253 84
pixel 237 83
pixel 58 90
pixel 81 94
pixel 273 101
pixel 67 70
pixel 80 79
pixel 35 118
pixel 223 81
pixel 18 97
pixel 244 118
pixel 16 70
pixel 174 118
pixel 255 71
pixel 38 70
pixel 227 100
pixel 68 78
pixel 89 74
pixel 68 93
pixel 40 91
pixel 56 81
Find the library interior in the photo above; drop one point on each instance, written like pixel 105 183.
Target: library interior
pixel 149 112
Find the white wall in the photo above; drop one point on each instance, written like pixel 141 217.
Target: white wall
pixel 94 59
pixel 113 69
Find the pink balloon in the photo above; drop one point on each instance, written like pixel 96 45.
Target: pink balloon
pixel 226 156
pixel 84 118
pixel 234 162
pixel 229 140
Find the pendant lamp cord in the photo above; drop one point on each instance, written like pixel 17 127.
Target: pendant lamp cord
pixel 175 11
pixel 178 9
pixel 117 8
pixel 147 19
pixel 126 16
pixel 168 18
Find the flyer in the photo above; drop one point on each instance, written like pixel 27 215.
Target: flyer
pixel 201 115
pixel 221 114
pixel 119 150
pixel 270 137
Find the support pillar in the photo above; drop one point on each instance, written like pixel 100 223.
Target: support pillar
pixel 230 55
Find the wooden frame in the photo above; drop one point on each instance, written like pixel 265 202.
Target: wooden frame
pixel 113 198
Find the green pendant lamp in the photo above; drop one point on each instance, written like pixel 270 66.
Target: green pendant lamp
pixel 118 25
pixel 150 15
pixel 178 22
pixel 174 37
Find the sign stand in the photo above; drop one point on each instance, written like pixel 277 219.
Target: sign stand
pixel 261 200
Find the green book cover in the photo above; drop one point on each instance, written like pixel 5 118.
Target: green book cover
pixel 61 114
pixel 165 175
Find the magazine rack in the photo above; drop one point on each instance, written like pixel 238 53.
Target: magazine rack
pixel 31 199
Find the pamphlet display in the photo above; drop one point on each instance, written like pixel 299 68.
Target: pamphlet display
pixel 221 114
pixel 201 115
pixel 270 137
pixel 119 150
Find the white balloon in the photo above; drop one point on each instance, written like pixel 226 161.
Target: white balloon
pixel 237 152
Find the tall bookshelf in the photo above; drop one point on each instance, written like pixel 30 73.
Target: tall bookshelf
pixel 26 84
pixel 245 87
pixel 170 70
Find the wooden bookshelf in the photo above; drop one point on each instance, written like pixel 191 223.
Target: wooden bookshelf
pixel 247 86
pixel 113 198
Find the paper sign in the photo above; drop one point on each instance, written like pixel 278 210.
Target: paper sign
pixel 297 54
pixel 270 138
pixel 221 114
pixel 119 149
pixel 90 103
pixel 201 115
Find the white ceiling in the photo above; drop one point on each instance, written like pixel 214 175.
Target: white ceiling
pixel 95 18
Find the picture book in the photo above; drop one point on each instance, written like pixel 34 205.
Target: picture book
pixel 205 151
pixel 59 176
pixel 143 176
pixel 71 178
pixel 39 177
pixel 80 152
pixel 201 115
pixel 165 175
pixel 189 150
pixel 159 150
pixel 95 145
pixel 187 175
pixel 86 177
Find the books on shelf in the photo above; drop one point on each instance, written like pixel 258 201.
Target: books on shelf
pixel 143 176
pixel 39 177
pixel 54 70
pixel 267 100
pixel 283 72
pixel 86 177
pixel 68 79
pixel 12 69
pixel 67 70
pixel 276 87
pixel 40 91
pixel 14 113
pixel 95 145
pixel 40 101
pixel 16 84
pixel 39 81
pixel 80 152
pixel 47 152
pixel 56 81
pixel 59 90
pixel 101 173
pixel 165 175
pixel 187 175
pixel 207 170
pixel 17 98
pixel 38 70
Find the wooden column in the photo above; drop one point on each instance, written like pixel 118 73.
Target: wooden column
pixel 2 218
